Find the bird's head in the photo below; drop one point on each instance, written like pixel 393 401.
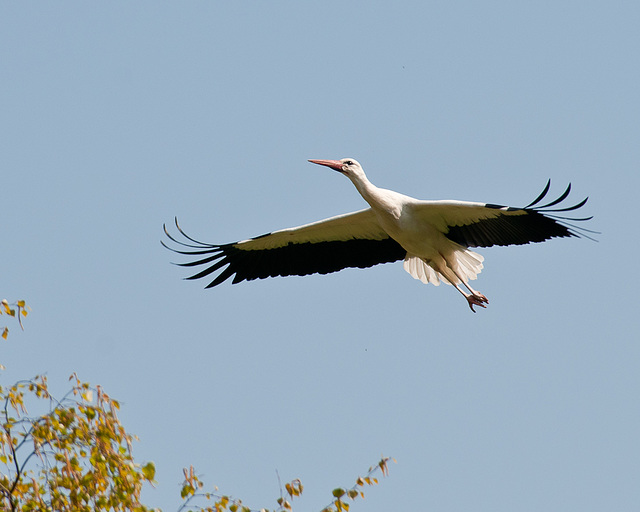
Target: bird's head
pixel 347 166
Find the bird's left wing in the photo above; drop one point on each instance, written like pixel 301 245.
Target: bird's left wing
pixel 484 225
pixel 350 240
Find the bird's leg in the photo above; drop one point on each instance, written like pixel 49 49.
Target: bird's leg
pixel 476 293
pixel 448 271
pixel 475 298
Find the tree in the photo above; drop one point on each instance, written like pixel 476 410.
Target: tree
pixel 75 455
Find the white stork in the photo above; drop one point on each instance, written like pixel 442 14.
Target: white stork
pixel 432 237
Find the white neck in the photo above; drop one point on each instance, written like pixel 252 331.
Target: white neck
pixel 380 200
pixel 365 187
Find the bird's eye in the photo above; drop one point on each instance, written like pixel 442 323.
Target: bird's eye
pixel 349 162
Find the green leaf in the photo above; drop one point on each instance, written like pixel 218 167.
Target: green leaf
pixel 149 471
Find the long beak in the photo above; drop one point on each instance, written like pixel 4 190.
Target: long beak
pixel 336 165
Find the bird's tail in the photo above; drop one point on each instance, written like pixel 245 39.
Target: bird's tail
pixel 468 265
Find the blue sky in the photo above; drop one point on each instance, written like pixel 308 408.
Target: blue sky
pixel 117 117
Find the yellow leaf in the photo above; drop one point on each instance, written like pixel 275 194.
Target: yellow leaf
pixel 294 488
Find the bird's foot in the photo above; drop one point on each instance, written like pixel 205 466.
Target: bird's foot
pixel 476 299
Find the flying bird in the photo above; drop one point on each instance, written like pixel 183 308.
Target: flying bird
pixel 432 237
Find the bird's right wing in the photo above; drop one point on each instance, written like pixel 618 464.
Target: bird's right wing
pixel 350 240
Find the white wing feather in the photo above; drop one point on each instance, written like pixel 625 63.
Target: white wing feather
pixel 443 214
pixel 362 224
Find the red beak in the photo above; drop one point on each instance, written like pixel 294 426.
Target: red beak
pixel 334 164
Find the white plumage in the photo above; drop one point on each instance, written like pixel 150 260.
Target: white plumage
pixel 432 237
pixel 469 264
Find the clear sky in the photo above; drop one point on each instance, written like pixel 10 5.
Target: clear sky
pixel 115 117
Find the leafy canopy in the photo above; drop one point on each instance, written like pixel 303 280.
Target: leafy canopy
pixel 76 456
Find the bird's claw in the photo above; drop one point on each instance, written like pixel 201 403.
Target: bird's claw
pixel 477 299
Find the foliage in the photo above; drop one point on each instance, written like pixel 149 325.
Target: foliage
pixel 192 489
pixel 10 309
pixel 76 456
pixel 338 504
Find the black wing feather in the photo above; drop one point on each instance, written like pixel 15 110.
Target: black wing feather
pixel 541 196
pixel 519 226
